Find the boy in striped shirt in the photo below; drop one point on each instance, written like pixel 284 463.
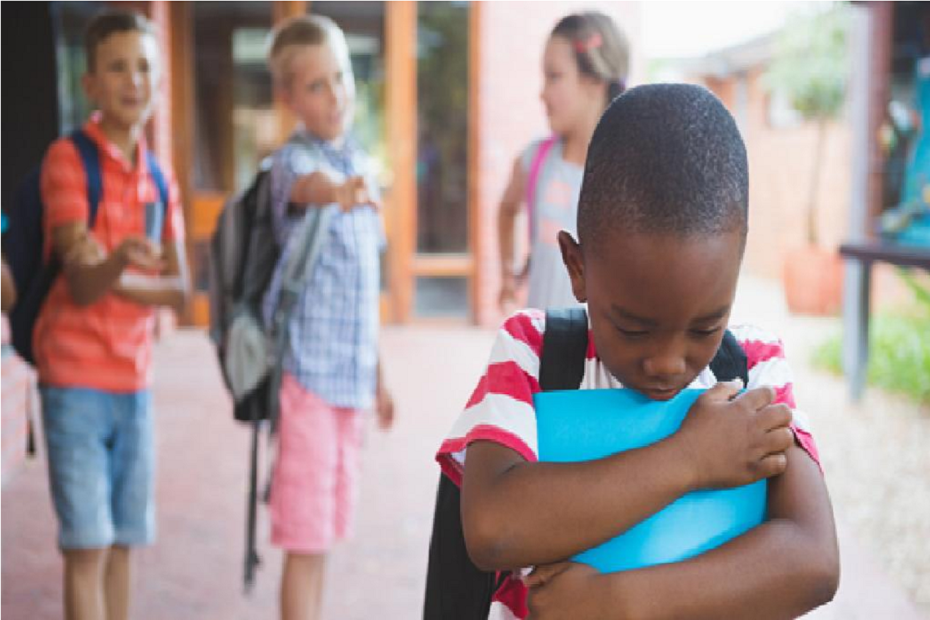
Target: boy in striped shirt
pixel 662 227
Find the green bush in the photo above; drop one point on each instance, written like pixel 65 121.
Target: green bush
pixel 899 354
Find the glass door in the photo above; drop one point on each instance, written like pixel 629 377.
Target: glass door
pixel 442 264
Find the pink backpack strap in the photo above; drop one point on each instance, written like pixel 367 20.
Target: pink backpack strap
pixel 535 168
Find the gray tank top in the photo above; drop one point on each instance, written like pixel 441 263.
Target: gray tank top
pixel 556 196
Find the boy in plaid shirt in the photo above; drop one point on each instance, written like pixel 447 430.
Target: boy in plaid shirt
pixel 331 366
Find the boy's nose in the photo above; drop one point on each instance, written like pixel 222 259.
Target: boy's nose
pixel 665 365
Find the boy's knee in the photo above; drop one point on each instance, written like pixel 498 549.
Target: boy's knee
pixel 84 559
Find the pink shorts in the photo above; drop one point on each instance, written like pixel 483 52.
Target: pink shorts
pixel 315 481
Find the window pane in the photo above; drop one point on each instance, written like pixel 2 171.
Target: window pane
pixel 70 19
pixel 234 116
pixel 442 152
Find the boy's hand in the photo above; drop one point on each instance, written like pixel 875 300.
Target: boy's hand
pixel 385 408
pixel 511 283
pixel 354 193
pixel 565 590
pixel 86 252
pixel 508 295
pixel 141 253
pixel 733 439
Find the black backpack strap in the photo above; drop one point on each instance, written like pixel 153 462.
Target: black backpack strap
pixel 565 344
pixel 730 360
pixel 456 589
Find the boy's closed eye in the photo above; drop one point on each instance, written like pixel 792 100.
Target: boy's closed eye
pixel 698 332
pixel 632 333
pixel 705 332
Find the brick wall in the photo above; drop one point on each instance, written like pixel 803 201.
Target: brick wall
pixel 781 166
pixel 513 35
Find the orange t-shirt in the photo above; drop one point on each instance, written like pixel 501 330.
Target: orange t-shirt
pixel 106 345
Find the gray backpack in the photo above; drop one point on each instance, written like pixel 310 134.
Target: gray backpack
pixel 243 257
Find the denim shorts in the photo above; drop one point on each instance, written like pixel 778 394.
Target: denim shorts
pixel 101 466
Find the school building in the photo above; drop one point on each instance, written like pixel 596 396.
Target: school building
pixel 448 93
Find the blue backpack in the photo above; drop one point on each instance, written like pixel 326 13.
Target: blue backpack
pixel 24 240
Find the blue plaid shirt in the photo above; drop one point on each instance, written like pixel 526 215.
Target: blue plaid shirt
pixel 332 347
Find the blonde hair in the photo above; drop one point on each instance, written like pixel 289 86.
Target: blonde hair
pixel 297 32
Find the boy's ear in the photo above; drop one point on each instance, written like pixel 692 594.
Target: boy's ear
pixel 574 262
pixel 281 94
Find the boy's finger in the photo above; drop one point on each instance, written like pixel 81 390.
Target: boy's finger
pixel 724 390
pixel 542 574
pixel 143 260
pixel 757 398
pixel 775 416
pixel 778 440
pixel 772 465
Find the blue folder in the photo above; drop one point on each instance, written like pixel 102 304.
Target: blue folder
pixel 583 425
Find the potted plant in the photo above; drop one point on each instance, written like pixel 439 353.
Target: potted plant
pixel 810 69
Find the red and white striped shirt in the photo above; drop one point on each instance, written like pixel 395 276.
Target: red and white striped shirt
pixel 501 407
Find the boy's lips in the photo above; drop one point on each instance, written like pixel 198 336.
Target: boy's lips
pixel 660 393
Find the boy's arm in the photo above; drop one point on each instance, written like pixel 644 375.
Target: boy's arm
pixel 384 402
pixel 781 569
pixel 9 290
pixel 318 189
pixel 89 272
pixel 510 205
pixel 171 289
pixel 516 513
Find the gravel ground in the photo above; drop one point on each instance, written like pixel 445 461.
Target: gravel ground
pixel 875 453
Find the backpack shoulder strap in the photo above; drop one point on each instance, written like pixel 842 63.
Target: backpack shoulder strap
pixel 90 158
pixel 730 360
pixel 159 178
pixel 565 344
pixel 533 177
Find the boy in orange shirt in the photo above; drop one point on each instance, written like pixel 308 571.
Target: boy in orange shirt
pixel 93 337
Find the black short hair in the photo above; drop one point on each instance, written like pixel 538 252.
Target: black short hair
pixel 664 158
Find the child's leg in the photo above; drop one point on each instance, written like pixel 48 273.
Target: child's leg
pixel 133 502
pixel 116 582
pixel 312 493
pixel 302 586
pixel 78 424
pixel 82 584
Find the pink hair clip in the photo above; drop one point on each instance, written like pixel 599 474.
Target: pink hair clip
pixel 593 42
